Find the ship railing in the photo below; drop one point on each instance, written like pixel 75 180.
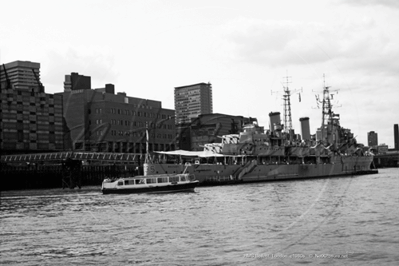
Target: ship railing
pixel 218 178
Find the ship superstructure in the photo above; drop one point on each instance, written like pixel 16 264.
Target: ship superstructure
pixel 254 155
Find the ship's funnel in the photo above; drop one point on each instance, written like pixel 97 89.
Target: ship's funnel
pixel 305 128
pixel 275 121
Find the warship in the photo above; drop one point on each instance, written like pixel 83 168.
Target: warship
pixel 254 155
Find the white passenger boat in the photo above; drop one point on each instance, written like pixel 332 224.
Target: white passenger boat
pixel 162 183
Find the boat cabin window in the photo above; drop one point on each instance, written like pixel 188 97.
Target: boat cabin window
pixel 137 181
pixel 162 179
pixel 151 180
pixel 182 178
pixel 120 183
pixel 174 179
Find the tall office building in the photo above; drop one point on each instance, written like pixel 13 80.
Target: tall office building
pixel 396 136
pixel 305 128
pixel 192 101
pixel 372 139
pixel 30 119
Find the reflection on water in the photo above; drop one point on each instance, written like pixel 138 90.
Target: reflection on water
pixel 350 220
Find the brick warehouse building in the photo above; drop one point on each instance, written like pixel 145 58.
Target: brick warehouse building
pixel 100 120
pixel 30 119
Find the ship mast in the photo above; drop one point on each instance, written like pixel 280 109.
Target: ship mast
pixel 326 109
pixel 147 159
pixel 327 113
pixel 287 106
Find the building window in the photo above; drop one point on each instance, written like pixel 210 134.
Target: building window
pixel 78 145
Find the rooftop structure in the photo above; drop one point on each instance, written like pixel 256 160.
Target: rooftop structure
pixel 23 75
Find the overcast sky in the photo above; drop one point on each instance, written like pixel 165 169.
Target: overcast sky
pixel 244 48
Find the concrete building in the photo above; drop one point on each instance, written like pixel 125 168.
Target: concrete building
pixel 372 139
pixel 192 101
pixel 31 120
pixel 100 120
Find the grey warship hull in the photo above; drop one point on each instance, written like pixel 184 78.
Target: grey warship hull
pixel 255 171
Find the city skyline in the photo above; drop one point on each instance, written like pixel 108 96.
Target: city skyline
pixel 147 48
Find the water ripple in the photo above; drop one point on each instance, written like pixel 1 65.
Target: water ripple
pixel 350 221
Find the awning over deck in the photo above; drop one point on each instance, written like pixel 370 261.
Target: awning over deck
pixel 201 154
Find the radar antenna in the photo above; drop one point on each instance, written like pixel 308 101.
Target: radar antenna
pixel 327 113
pixel 287 104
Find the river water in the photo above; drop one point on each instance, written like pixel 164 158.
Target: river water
pixel 336 221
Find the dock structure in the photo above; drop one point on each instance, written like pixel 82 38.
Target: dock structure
pixel 66 169
pixel 387 159
pixel 61 156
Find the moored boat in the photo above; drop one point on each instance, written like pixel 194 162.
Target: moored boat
pixel 162 183
pixel 254 155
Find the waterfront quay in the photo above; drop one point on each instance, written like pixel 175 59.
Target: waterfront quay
pixel 65 169
pixel 387 159
pixel 77 169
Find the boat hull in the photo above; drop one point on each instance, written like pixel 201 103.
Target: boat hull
pixel 217 174
pixel 187 187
